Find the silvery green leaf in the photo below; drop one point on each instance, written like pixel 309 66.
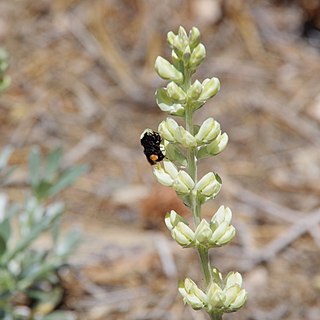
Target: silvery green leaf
pixel 34 167
pixel 68 178
pixel 174 153
pixel 68 243
pixel 53 163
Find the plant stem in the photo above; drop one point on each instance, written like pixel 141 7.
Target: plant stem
pixel 205 265
pixel 192 170
pixel 217 316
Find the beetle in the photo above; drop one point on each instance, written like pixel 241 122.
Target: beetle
pixel 151 140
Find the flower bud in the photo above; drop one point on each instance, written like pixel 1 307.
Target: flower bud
pixel 203 233
pixel 218 232
pixel 186 55
pixel 208 131
pixel 192 295
pixel 239 301
pixel 233 278
pixel 182 35
pixel 172 219
pixel 175 92
pixel 227 236
pixel 195 90
pixel 183 183
pixel 231 294
pixel 163 177
pixel 185 137
pixel 197 55
pixel 225 295
pixel 222 214
pixel 218 145
pixel 216 297
pixel 167 104
pixel 167 71
pixel 167 129
pixel 170 38
pixel 222 231
pixel 210 87
pixel 182 234
pixel 208 185
pixel 170 168
pixel 194 37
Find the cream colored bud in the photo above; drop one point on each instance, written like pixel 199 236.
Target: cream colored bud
pixel 208 131
pixel 212 189
pixel 233 278
pixel 165 132
pixel 185 137
pixel 208 185
pixel 194 37
pixel 170 38
pixel 231 295
pixel 218 145
pixel 171 169
pixel 171 219
pixel 192 295
pixel 222 214
pixel 227 236
pixel 175 92
pixel 219 231
pixel 186 179
pixel 203 233
pixel 186 54
pixel 182 234
pixel 162 176
pixel 195 90
pixel 167 71
pixel 205 180
pixel 197 56
pixel 240 300
pixel 210 87
pixel 216 297
pixel 182 34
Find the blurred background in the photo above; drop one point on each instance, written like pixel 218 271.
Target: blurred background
pixel 83 78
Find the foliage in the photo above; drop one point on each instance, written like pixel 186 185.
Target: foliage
pixel 29 280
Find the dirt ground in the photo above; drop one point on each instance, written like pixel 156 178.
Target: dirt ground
pixel 82 78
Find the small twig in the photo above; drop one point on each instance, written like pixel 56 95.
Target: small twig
pixel 285 239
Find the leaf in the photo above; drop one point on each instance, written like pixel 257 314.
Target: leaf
pixel 68 243
pixel 34 167
pixel 68 177
pixel 5 229
pixel 3 245
pixel 53 163
pixel 174 154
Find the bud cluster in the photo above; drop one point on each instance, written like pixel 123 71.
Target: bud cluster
pixel 183 146
pixel 187 55
pixel 208 139
pixel 207 235
pixel 222 295
pixel 206 188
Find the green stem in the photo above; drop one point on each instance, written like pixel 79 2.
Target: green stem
pixel 192 170
pixel 217 316
pixel 205 265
